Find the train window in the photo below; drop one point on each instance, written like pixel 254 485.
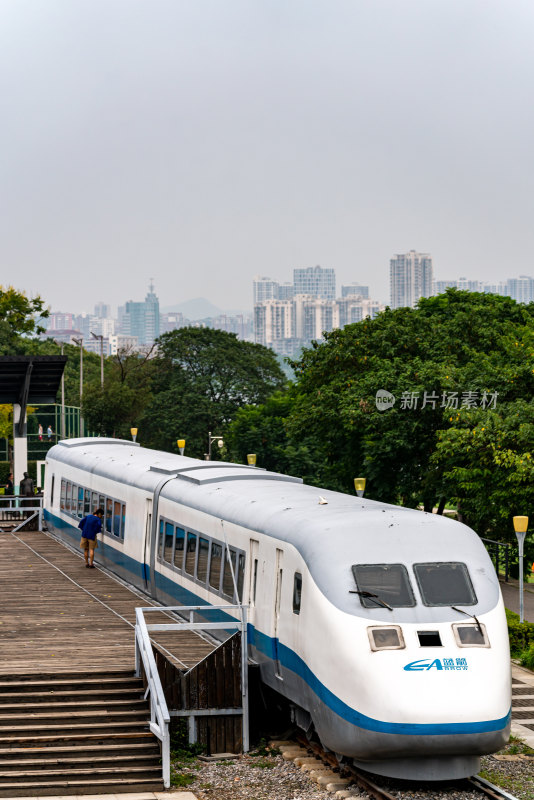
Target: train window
pixel 109 514
pixel 228 584
pixel 117 519
pixel 68 495
pixel 102 504
pixel 63 494
pixel 86 502
pixel 445 584
pixel 123 525
pixel 470 635
pixel 202 565
pixel 297 592
pixel 382 638
pixel 94 502
pixel 169 542
pixel 429 638
pixel 383 585
pixel 160 540
pixel 255 581
pixel 179 548
pixel 190 554
pixel 52 491
pixel 215 565
pixel 240 576
pixel 80 502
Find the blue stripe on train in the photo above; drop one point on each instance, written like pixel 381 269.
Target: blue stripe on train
pixel 270 647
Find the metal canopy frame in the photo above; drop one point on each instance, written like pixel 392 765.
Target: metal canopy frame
pixel 30 380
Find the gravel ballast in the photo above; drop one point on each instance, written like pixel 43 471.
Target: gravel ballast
pixel 270 776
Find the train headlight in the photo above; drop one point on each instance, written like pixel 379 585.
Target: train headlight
pixel 386 638
pixel 470 635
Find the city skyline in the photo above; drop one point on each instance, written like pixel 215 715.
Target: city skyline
pixel 202 143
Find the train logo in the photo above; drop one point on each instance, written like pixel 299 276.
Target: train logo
pixel 426 664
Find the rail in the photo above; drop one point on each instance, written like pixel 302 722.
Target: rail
pixel 496 548
pixel 160 715
pixel 16 511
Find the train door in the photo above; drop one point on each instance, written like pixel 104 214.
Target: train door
pixel 146 545
pixel 276 611
pixel 253 580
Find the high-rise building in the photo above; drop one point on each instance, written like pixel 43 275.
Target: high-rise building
pixel 355 289
pixel 315 281
pixel 264 289
pixel 141 319
pixel 521 289
pixel 410 278
pixel 102 310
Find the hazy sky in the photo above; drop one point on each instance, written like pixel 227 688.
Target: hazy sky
pixel 202 142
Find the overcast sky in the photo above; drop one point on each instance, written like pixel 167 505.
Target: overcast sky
pixel 202 142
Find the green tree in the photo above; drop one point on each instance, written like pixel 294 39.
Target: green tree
pixel 18 317
pixel 262 430
pixel 202 377
pixel 112 409
pixel 458 342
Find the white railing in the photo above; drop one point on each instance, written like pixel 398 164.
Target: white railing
pixel 20 509
pixel 159 714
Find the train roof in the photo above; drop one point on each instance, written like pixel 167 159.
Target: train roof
pixel 328 528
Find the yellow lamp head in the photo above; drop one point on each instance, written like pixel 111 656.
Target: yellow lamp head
pixel 133 431
pixel 181 445
pixel 359 485
pixel 520 524
pixel 251 459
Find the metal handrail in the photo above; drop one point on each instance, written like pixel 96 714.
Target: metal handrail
pixel 497 548
pixel 240 625
pixel 159 713
pixel 30 506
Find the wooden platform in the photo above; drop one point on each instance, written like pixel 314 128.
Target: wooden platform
pixel 50 624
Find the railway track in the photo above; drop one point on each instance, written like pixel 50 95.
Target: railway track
pixel 473 787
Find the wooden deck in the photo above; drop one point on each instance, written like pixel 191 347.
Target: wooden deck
pixel 49 624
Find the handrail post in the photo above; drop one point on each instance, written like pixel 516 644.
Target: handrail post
pixel 244 678
pixel 506 562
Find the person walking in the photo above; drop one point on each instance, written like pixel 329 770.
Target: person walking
pixel 49 433
pixel 40 432
pixel 90 526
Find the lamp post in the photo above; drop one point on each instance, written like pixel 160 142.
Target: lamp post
pixel 359 485
pixel 211 439
pixel 101 337
pixel 63 431
pixel 79 342
pixel 520 527
pixel 133 432
pixel 251 459
pixel 181 445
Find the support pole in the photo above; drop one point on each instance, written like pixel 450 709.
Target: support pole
pixel 20 445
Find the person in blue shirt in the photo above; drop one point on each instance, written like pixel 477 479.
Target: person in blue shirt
pixel 90 526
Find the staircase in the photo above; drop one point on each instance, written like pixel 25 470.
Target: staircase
pixel 66 734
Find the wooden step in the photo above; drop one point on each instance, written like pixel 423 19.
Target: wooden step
pixel 59 706
pixel 45 789
pixel 147 748
pixel 80 761
pixel 72 695
pixel 86 684
pixel 78 739
pixel 70 774
pixel 30 677
pixel 122 726
pixel 59 718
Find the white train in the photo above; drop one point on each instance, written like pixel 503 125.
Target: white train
pixel 383 626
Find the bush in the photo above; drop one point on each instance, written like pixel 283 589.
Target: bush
pixel 527 658
pixel 521 635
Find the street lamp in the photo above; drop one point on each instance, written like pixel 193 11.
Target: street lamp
pixel 63 432
pixel 251 459
pixel 359 485
pixel 520 527
pixel 79 342
pixel 133 431
pixel 181 445
pixel 101 337
pixel 211 439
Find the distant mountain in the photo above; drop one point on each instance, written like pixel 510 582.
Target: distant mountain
pixel 200 308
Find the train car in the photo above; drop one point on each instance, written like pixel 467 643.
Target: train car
pixel 383 627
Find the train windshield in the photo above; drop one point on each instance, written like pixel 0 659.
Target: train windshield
pixel 388 583
pixel 445 584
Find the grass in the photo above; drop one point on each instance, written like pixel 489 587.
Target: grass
pixel 263 763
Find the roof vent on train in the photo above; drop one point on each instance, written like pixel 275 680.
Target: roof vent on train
pixel 95 440
pixel 217 471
